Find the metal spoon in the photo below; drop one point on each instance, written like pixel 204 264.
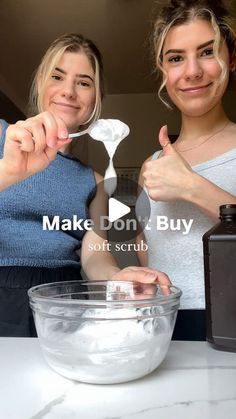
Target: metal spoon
pixel 78 134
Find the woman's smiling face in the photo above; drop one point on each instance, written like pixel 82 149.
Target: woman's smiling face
pixel 70 90
pixel 193 71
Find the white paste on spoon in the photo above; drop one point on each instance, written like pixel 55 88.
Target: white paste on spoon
pixel 111 132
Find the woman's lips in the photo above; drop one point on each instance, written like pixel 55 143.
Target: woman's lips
pixel 66 106
pixel 196 89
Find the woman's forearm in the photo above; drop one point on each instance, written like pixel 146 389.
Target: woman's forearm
pixel 100 265
pixel 207 196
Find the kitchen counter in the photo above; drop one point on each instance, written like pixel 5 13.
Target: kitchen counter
pixel 193 382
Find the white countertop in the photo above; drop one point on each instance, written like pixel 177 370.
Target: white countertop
pixel 193 382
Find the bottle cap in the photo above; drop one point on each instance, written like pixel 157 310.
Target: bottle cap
pixel 228 209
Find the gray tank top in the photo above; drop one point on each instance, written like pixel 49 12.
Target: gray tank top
pixel 173 251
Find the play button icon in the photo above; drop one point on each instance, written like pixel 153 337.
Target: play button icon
pixel 122 216
pixel 117 210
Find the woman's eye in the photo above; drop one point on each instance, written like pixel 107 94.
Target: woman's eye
pixel 208 51
pixel 175 59
pixel 56 77
pixel 83 83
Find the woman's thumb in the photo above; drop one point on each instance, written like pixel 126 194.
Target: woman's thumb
pixel 165 141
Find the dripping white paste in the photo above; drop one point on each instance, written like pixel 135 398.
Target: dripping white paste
pixel 111 132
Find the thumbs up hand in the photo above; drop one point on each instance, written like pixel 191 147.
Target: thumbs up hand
pixel 170 176
pixel 165 143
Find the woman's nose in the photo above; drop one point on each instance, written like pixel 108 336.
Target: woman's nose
pixel 193 70
pixel 69 90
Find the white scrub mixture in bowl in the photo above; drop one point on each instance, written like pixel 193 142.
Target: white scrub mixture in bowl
pixel 95 333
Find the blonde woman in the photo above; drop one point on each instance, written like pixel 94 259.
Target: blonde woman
pixel 66 95
pixel 188 180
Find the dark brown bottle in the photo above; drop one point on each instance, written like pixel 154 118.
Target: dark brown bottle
pixel 219 246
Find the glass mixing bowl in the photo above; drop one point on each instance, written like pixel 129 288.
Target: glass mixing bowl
pixel 106 331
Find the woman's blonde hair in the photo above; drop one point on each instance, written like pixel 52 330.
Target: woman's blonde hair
pixel 179 12
pixel 67 43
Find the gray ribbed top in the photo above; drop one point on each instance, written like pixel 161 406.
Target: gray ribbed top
pixel 181 256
